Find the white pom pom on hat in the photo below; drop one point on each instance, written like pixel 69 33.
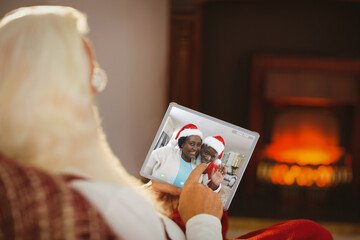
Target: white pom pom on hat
pixel 217 162
pixel 217 143
pixel 187 130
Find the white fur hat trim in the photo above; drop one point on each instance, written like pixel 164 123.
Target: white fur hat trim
pixel 189 132
pixel 215 144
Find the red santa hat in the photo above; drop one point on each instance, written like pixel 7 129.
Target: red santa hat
pixel 217 143
pixel 187 130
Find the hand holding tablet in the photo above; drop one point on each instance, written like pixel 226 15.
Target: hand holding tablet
pixel 187 138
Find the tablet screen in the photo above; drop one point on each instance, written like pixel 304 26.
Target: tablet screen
pixel 186 138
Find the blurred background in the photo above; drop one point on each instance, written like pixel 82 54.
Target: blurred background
pixel 289 70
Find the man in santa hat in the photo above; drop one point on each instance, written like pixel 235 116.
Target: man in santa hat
pixel 211 152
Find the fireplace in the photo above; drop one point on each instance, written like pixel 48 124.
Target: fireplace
pixel 305 150
pixel 307 111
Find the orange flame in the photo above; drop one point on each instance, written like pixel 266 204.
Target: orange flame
pixel 304 155
pixel 302 176
pixel 304 137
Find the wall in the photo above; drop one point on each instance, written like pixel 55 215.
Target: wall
pixel 130 39
pixel 234 31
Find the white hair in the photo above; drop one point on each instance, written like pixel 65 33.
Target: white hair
pixel 47 115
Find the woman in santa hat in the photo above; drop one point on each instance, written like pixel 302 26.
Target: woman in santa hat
pixel 173 165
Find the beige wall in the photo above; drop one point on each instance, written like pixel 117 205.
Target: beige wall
pixel 130 39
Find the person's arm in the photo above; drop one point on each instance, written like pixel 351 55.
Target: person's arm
pixel 154 160
pixel 200 208
pixel 203 225
pixel 215 188
pixel 167 193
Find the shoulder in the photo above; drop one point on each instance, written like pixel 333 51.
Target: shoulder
pixel 167 150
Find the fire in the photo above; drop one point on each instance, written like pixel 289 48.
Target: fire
pixel 304 155
pixel 302 176
pixel 304 143
pixel 305 137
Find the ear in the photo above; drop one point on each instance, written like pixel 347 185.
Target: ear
pixel 92 63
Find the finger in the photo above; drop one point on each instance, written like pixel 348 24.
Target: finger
pixel 195 174
pixel 166 188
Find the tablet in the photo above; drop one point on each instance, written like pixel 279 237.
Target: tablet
pixel 175 151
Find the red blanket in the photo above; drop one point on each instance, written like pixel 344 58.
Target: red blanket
pixel 299 229
pixel 290 230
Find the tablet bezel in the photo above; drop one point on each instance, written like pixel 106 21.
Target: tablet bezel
pixel 209 126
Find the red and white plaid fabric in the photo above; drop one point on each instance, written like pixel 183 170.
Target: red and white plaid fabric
pixel 37 205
